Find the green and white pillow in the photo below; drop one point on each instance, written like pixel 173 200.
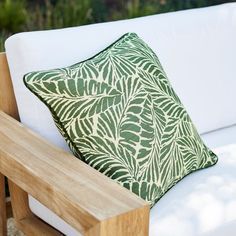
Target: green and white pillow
pixel 119 114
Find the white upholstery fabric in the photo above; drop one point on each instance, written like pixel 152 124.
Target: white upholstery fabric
pixel 202 204
pixel 196 47
pixel 221 137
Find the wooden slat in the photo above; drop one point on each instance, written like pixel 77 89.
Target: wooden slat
pixel 34 226
pixel 7 104
pixel 19 202
pixel 3 228
pixel 80 195
pixel 25 219
pixel 7 97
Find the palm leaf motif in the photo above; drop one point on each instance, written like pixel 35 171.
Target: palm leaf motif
pixel 119 114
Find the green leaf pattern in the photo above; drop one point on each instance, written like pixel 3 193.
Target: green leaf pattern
pixel 119 114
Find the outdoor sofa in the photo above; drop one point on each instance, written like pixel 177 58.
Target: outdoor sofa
pixel 54 193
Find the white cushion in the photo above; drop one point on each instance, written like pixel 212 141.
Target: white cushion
pixel 196 47
pixel 221 137
pixel 202 204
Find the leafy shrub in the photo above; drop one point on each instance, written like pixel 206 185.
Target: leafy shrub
pixel 135 8
pixel 63 13
pixel 13 15
pixel 27 15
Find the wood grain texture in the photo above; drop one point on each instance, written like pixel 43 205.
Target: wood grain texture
pixel 25 220
pixel 9 208
pixel 135 222
pixel 77 193
pixel 7 97
pixel 19 202
pixel 7 104
pixel 3 223
pixel 32 225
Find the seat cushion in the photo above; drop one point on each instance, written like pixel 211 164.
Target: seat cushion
pixel 203 203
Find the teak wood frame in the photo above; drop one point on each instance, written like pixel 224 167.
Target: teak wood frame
pixel 90 202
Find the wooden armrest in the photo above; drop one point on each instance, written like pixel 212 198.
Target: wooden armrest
pixel 83 197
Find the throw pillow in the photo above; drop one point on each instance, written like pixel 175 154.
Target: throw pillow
pixel 119 114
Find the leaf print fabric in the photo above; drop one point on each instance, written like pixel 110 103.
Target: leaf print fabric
pixel 119 114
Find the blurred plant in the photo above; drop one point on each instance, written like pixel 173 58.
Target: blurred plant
pixel 63 13
pixel 174 5
pixel 13 15
pixel 25 15
pixel 100 10
pixel 2 39
pixel 135 8
pixel 71 13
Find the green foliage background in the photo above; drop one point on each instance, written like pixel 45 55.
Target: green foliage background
pixel 27 15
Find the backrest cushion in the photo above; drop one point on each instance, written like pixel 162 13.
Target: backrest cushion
pixel 196 47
